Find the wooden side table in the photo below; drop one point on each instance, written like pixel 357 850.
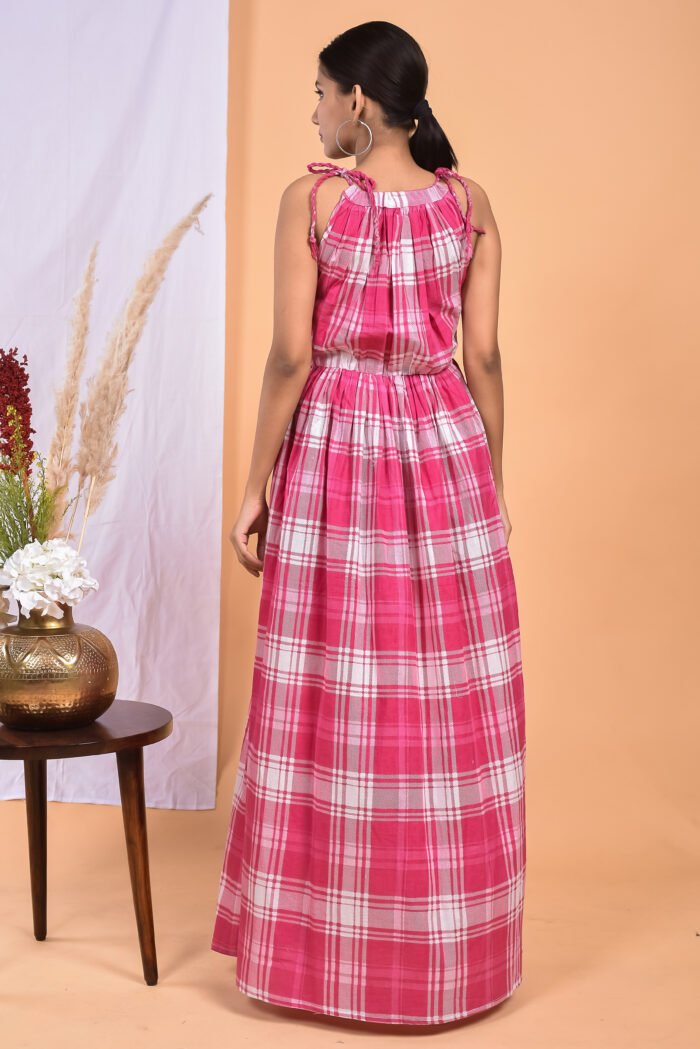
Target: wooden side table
pixel 125 729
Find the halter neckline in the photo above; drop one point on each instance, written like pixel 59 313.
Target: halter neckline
pixel 395 192
pixel 362 178
pixel 359 179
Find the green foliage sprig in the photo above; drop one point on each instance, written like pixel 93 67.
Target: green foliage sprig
pixel 26 501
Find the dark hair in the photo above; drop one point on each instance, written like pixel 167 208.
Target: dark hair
pixel 391 68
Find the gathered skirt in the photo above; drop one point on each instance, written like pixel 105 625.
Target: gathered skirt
pixel 374 867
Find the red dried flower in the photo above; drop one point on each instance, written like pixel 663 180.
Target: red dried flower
pixel 14 390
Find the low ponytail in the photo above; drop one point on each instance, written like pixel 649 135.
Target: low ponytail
pixel 429 145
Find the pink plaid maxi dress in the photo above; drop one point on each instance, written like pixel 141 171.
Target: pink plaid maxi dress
pixel 375 862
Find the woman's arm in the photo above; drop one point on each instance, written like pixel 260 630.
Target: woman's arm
pixel 287 365
pixel 481 353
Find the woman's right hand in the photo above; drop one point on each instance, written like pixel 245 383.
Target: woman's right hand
pixel 504 513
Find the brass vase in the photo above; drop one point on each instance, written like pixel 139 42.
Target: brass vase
pixel 55 673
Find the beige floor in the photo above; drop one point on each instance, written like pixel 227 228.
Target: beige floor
pixel 609 962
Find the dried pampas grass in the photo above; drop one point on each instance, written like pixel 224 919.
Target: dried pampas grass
pixel 94 460
pixel 58 462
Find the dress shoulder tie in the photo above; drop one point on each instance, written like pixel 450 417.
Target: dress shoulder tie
pixel 447 173
pixel 354 177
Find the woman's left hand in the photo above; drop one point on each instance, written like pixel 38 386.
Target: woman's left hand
pixel 252 518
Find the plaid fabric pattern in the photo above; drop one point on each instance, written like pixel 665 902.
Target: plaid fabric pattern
pixel 374 867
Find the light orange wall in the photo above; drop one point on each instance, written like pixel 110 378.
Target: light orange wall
pixel 579 121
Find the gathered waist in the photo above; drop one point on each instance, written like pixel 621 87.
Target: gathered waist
pixel 374 367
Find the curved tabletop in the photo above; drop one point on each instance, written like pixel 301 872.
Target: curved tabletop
pixel 126 724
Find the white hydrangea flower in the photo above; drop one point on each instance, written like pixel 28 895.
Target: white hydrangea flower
pixel 40 575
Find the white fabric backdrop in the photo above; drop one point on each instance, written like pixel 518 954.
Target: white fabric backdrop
pixel 113 125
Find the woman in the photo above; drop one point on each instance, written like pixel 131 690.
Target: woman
pixel 375 861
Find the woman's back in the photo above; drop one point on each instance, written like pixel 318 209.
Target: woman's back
pixel 391 265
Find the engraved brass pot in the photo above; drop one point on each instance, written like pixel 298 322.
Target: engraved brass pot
pixel 55 673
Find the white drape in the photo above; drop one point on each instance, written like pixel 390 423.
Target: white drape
pixel 113 125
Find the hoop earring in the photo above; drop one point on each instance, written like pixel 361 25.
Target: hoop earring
pixel 348 153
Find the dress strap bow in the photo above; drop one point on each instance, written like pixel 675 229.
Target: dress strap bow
pixel 353 176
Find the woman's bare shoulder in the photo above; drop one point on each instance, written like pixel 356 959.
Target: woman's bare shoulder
pixel 298 203
pixel 300 188
pixel 481 205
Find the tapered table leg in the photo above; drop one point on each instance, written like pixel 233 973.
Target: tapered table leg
pixel 35 795
pixel 130 768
